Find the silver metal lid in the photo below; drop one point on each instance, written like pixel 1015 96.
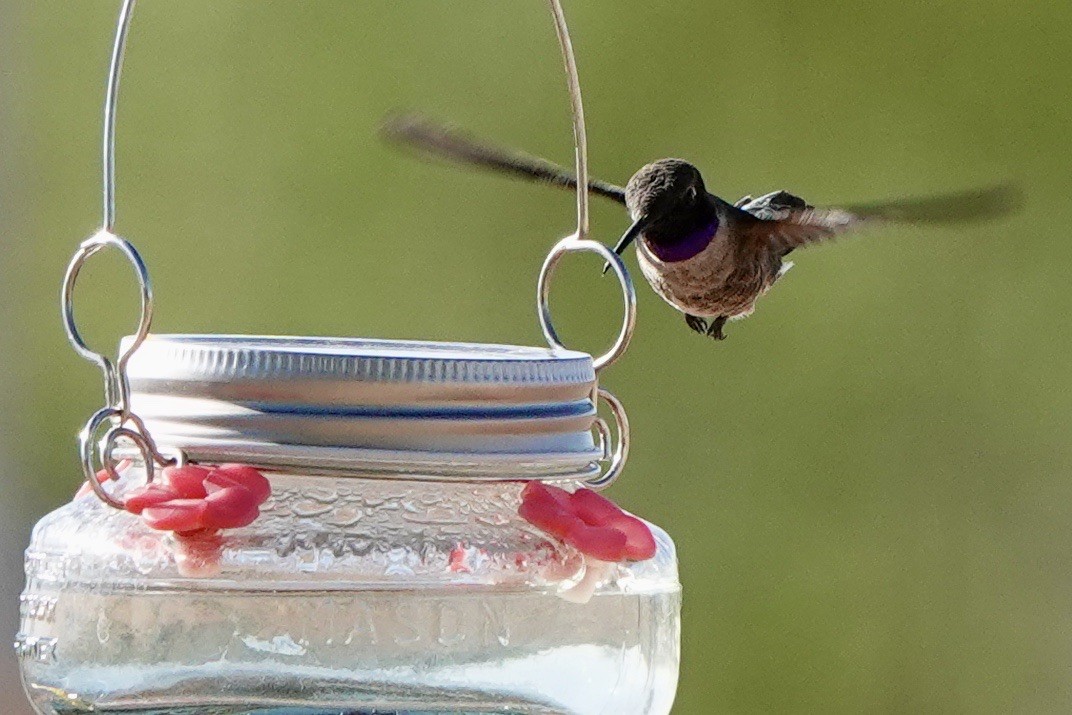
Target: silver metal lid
pixel 355 405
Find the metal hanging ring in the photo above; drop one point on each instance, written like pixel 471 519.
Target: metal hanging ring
pixel 620 454
pixel 114 375
pixel 86 447
pixel 570 245
pixel 150 456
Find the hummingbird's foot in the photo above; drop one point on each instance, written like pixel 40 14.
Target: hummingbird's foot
pixel 715 331
pixel 696 323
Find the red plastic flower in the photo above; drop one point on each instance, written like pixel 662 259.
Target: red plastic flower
pixel 196 502
pixel 589 522
pixel 195 498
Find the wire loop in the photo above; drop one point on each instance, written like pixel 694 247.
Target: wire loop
pixel 572 244
pixel 86 448
pixel 620 454
pixel 108 445
pixel 117 393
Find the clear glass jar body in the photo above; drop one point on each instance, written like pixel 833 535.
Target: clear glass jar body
pixel 348 595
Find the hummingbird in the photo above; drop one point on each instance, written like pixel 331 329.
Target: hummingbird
pixel 708 258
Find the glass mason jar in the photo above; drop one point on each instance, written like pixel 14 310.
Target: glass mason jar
pixel 389 571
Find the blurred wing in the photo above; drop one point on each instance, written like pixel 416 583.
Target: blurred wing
pixel 795 226
pixel 438 140
pixel 802 227
pixel 972 205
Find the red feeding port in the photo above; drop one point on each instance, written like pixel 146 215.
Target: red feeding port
pixel 588 521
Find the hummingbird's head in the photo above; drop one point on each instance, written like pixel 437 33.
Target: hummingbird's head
pixel 668 203
pixel 664 188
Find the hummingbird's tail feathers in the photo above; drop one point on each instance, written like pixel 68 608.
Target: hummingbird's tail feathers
pixel 433 139
pixel 978 204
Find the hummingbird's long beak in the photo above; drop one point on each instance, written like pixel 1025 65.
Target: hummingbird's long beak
pixel 628 237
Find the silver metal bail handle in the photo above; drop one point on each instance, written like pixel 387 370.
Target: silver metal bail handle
pixel 580 137
pixel 579 241
pixel 117 391
pixel 123 423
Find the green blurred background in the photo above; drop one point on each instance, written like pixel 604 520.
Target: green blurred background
pixel 868 481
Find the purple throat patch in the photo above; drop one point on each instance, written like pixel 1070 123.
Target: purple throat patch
pixel 688 246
